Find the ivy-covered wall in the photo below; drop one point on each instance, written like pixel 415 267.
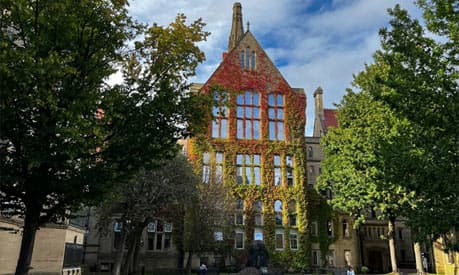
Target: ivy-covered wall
pixel 232 79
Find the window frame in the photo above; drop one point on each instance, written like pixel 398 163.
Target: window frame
pixel 220 114
pixel 278 119
pixel 248 114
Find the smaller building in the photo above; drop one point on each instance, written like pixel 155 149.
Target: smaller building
pixel 58 248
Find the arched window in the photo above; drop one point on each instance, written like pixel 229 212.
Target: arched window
pixel 278 212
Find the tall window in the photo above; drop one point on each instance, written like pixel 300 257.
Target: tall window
pixel 220 116
pixel 159 235
pixel 212 170
pixel 248 59
pixel 310 152
pixel 219 167
pixel 248 115
pixel 239 215
pixel 345 228
pixel 283 172
pixel 292 213
pixel 279 240
pixel 278 212
pixel 293 241
pixel 276 116
pixel 248 169
pixel 239 240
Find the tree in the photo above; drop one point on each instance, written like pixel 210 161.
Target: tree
pixel 56 153
pixel 417 77
pixel 358 165
pixel 150 194
pixel 208 221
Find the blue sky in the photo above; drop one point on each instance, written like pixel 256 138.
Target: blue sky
pixel 313 43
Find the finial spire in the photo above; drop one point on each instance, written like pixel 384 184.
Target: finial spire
pixel 237 28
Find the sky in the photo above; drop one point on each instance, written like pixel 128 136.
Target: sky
pixel 313 43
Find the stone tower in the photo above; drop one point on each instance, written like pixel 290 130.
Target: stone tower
pixel 237 29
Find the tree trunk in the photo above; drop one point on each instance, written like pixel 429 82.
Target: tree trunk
pixel 134 241
pixel 188 262
pixel 417 256
pixel 31 224
pixel 390 235
pixel 119 254
pixel 135 263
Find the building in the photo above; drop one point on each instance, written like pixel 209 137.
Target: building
pixel 256 144
pixel 58 248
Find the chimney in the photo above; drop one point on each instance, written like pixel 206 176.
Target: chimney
pixel 318 102
pixel 237 29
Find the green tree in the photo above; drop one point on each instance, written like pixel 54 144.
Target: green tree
pixel 150 194
pixel 56 153
pixel 417 77
pixel 358 166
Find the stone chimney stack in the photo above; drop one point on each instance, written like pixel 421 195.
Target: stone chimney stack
pixel 237 29
pixel 318 102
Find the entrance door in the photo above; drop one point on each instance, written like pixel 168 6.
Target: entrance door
pixel 375 262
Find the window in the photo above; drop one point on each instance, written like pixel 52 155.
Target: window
pixel 205 167
pixel 239 219
pixel 239 240
pixel 314 229
pixel 276 116
pixel 248 59
pixel 400 234
pixel 248 115
pixel 219 167
pixel 258 219
pixel 283 172
pixel 220 115
pixel 278 212
pixel 331 257
pixel 347 257
pixel 212 170
pixel 289 170
pixel 239 204
pixel 117 235
pixel 310 152
pixel 159 236
pixel 258 234
pixel 218 235
pixel 345 227
pixel 277 171
pixel 279 240
pixel 316 257
pixel 292 213
pixel 293 241
pixel 248 169
pixel 330 228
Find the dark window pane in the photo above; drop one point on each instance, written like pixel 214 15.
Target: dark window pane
pixel 242 59
pixel 159 241
pixel 279 241
pixel 167 241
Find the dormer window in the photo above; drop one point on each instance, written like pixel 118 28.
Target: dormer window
pixel 248 59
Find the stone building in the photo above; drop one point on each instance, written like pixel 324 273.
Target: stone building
pixel 256 145
pixel 58 248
